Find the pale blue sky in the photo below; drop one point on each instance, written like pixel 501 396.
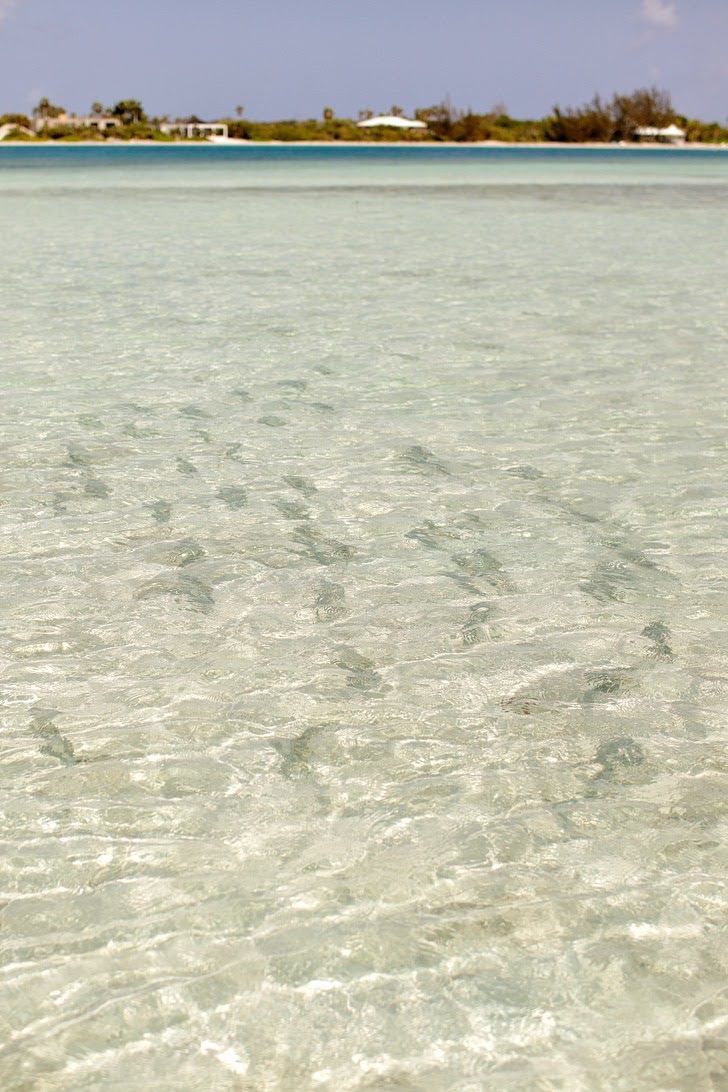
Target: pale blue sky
pixel 290 58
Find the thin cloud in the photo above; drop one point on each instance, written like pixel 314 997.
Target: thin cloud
pixel 659 13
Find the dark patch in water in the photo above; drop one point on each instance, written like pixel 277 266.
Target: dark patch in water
pixel 555 692
pixel 242 394
pixel 232 451
pixel 94 487
pixel 660 635
pixel 465 583
pixel 619 753
pixel 296 510
pixel 319 548
pixel 472 631
pixel 184 552
pixel 528 473
pixel 526 705
pixel 137 433
pixel 54 744
pixel 584 517
pixel 78 456
pixel 609 583
pixel 303 485
pixel 184 466
pixel 160 511
pixel 89 421
pixel 471 521
pixel 193 412
pixel 234 496
pixel 421 458
pixel 606 684
pixel 630 554
pixel 627 570
pixel 361 670
pixel 484 566
pixel 431 536
pixel 330 603
pixel 296 752
pixel 188 590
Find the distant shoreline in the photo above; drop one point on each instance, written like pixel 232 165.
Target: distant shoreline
pixel 238 143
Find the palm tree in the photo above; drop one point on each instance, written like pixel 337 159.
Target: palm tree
pixel 97 109
pixel 239 110
pixel 130 111
pixel 45 109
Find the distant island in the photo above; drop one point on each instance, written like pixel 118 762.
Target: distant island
pixel 645 116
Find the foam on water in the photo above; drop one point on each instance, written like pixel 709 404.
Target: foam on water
pixel 363 551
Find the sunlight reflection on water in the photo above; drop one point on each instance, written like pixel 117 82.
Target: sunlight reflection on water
pixel 365 677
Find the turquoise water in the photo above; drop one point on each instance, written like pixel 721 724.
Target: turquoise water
pixel 364 646
pixel 343 166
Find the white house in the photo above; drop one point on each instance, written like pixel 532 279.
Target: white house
pixel 669 135
pixel 391 121
pixel 213 130
pixel 92 121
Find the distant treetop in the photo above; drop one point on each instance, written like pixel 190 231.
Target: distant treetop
pixel 130 111
pixel 46 109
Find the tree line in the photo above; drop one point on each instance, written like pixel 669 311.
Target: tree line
pixel 598 121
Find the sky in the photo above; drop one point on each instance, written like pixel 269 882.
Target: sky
pixel 292 58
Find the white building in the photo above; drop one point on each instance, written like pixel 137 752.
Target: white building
pixel 210 129
pixel 669 135
pixel 391 121
pixel 93 121
pixel 10 127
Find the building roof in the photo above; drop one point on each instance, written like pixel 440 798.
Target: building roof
pixel 652 130
pixel 392 121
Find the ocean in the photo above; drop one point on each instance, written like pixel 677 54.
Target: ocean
pixel 364 628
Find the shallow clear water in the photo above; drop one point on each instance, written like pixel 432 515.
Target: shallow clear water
pixel 365 661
